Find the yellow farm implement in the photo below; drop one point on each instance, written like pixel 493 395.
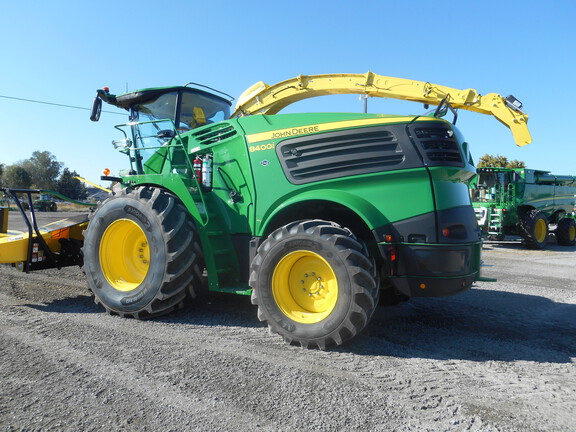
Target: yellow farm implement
pixel 55 245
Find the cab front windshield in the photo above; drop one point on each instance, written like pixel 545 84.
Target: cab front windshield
pixel 196 109
pixel 186 109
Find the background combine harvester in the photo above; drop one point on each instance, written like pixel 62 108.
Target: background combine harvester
pixel 315 215
pixel 525 203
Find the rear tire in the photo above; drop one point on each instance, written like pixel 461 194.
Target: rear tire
pixel 566 232
pixel 142 254
pixel 534 226
pixel 313 284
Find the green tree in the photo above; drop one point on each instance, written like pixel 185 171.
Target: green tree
pixel 499 161
pixel 516 164
pixel 70 186
pixel 1 172
pixel 43 169
pixel 15 176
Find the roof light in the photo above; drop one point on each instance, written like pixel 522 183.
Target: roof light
pixel 513 103
pixel 106 171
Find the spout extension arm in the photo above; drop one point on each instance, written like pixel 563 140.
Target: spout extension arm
pixel 265 99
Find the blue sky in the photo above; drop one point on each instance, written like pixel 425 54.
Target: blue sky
pixel 62 51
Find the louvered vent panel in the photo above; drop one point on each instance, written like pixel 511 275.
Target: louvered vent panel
pixel 439 145
pixel 219 132
pixel 334 155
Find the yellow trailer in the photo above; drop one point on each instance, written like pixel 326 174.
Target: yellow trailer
pixel 55 245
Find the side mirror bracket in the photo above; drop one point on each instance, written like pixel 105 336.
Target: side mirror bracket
pixel 443 108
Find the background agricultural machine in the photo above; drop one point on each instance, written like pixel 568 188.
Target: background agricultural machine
pixel 314 215
pixel 526 203
pixel 45 203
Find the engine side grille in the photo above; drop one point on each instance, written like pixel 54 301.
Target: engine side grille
pixel 339 154
pixel 219 132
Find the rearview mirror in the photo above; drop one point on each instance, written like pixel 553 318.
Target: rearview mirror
pixel 96 109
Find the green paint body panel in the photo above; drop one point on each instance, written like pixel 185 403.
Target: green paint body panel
pixel 399 183
pixel 501 196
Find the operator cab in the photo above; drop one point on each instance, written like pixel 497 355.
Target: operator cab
pixel 158 115
pixel 156 112
pixel 185 106
pixel 491 183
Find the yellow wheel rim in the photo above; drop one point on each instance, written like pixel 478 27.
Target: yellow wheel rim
pixel 305 287
pixel 124 255
pixel 572 233
pixel 540 230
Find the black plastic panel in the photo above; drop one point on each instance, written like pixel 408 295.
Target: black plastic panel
pixel 438 144
pixel 427 228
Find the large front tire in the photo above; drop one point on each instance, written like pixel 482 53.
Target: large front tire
pixel 142 254
pixel 313 284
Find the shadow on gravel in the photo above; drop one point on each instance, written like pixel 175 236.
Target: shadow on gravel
pixel 479 325
pixel 78 304
pixel 217 309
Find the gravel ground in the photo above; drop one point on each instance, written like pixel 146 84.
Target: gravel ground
pixel 500 357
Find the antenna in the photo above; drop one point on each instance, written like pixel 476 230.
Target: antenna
pixel 364 99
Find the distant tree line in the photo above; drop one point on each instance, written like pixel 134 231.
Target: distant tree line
pixel 499 161
pixel 42 171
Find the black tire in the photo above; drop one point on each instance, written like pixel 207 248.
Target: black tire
pixel 142 254
pixel 534 226
pixel 375 293
pixel 566 232
pixel 334 304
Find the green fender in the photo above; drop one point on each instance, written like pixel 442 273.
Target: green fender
pixel 362 207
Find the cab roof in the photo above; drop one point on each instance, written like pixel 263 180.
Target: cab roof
pixel 126 100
